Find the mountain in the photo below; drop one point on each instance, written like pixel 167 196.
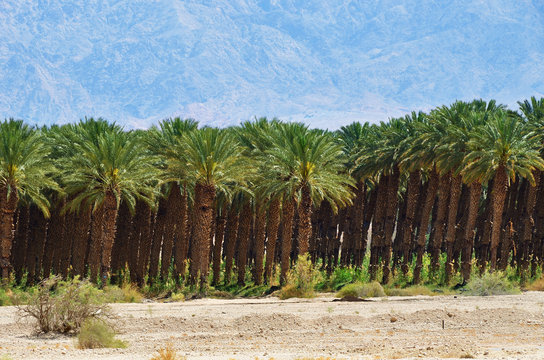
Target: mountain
pixel 323 62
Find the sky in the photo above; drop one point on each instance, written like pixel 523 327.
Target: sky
pixel 326 63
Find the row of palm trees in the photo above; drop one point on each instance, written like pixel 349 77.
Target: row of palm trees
pixel 92 199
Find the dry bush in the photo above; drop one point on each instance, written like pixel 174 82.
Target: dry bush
pixel 359 290
pixel 124 294
pixel 301 280
pixel 495 283
pixel 97 333
pixel 167 353
pixel 62 306
pixel 537 285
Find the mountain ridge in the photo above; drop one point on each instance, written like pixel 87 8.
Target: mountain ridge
pixel 137 62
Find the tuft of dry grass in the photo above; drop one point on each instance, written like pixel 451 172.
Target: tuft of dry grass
pixel 373 289
pixel 167 353
pixel 97 333
pixel 537 285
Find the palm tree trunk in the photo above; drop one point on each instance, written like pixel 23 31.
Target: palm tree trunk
pixel 231 235
pixel 243 241
pixel 95 244
pixel 287 234
pixel 53 240
pixel 122 245
pixel 21 242
pixel 260 236
pixel 36 241
pixel 220 224
pixel 8 205
pixel 305 221
pixel 439 224
pixel 390 216
pixel 145 242
pixel 57 234
pixel 181 245
pixel 468 241
pixel 455 195
pixel 108 234
pixel 81 241
pixel 378 227
pixel 272 233
pixel 528 225
pixel 168 241
pixel 412 194
pixel 360 240
pixel 423 226
pixel 204 212
pixel 158 233
pixel 500 187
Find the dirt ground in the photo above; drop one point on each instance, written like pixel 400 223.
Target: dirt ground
pixel 496 327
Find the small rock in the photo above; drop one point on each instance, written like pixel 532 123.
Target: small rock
pixel 393 319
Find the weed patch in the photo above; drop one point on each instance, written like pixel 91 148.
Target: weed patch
pixel 373 289
pixel 97 333
pixel 495 283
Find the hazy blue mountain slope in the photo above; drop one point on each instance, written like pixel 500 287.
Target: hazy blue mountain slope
pixel 222 62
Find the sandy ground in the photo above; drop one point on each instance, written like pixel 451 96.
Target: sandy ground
pixel 496 327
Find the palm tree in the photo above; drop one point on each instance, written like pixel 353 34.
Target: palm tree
pixel 163 141
pixel 304 166
pixel 214 162
pixel 104 169
pixel 501 150
pixel 24 172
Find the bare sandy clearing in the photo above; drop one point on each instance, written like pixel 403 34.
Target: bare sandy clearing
pixel 498 327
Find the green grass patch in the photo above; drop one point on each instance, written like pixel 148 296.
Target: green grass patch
pixel 360 290
pixel 496 283
pixel 97 333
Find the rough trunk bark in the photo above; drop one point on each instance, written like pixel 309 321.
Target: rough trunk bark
pixel 145 243
pixel 304 221
pixel 81 241
pixel 168 241
pixel 21 241
pixel 36 241
pixel 272 234
pixel 468 239
pixel 95 244
pixel 390 217
pixel 220 224
pixel 204 199
pixel 455 195
pixel 54 244
pixel 260 236
pixel 8 205
pixel 181 240
pixel 231 236
pixel 108 234
pixel 158 233
pixel 287 234
pixel 243 241
pixel 423 226
pixel 440 221
pixel 378 227
pixel 500 187
pixel 412 194
pixel 528 225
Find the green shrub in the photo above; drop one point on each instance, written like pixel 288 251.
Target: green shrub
pixel 97 333
pixel 301 280
pixel 62 306
pixel 495 283
pixel 125 294
pixel 373 289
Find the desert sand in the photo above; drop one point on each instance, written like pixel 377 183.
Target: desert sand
pixel 421 327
